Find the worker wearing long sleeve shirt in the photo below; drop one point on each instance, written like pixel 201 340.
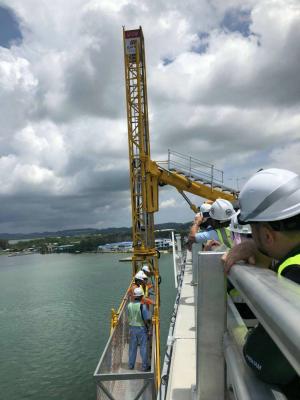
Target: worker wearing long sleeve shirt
pixel 220 214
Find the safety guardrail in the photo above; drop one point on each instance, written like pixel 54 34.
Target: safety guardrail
pixel 276 303
pixel 179 263
pixel 113 378
pixel 170 343
pixel 194 168
pixel 221 331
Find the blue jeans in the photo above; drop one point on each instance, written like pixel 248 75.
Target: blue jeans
pixel 138 335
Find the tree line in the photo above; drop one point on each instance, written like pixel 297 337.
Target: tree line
pixel 89 242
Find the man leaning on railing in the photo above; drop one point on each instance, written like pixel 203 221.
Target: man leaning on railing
pixel 270 203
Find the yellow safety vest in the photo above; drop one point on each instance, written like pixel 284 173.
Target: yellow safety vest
pixel 236 296
pixel 224 237
pixel 294 260
pixel 135 314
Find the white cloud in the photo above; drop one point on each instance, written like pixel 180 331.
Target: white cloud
pixel 24 178
pixel 15 73
pixel 170 203
pixel 286 157
pixel 219 95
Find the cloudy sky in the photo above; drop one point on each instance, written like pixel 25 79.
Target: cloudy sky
pixel 223 86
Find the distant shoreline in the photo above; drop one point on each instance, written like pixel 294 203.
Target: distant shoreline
pixel 18 254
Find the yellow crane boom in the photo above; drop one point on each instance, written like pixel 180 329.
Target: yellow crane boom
pixel 183 183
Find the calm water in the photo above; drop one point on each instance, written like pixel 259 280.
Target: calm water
pixel 54 321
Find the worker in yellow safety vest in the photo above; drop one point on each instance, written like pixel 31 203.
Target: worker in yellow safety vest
pixel 139 322
pixel 222 211
pixel 217 234
pixel 140 280
pixel 270 203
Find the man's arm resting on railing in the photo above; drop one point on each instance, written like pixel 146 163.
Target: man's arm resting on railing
pixel 247 252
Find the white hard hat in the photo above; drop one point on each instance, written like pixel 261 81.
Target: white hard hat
pixel 222 210
pixel 205 208
pixel 270 195
pixel 138 292
pixel 238 228
pixel 145 268
pixel 140 276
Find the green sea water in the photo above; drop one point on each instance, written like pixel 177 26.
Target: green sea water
pixel 54 321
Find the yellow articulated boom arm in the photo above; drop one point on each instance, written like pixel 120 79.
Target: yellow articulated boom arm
pixel 183 183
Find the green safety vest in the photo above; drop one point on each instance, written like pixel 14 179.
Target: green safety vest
pixel 224 237
pixel 135 314
pixel 236 296
pixel 294 260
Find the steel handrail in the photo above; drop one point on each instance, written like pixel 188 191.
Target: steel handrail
pixel 196 170
pixel 184 156
pixel 276 303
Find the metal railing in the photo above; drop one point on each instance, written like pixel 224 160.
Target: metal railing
pixel 170 342
pixel 221 331
pixel 194 168
pixel 276 303
pixel 113 378
pixel 179 263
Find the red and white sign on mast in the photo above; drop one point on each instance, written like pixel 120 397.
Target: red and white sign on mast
pixel 133 42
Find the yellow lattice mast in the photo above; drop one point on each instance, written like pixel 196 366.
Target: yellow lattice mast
pixel 146 175
pixel 144 188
